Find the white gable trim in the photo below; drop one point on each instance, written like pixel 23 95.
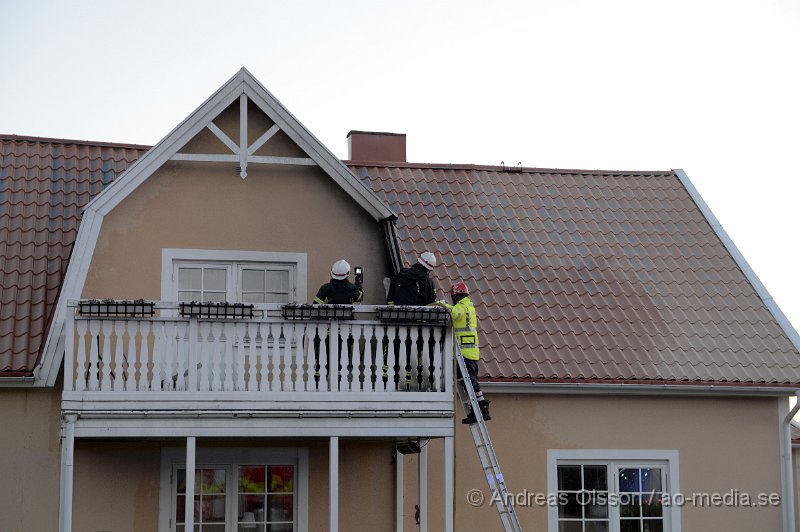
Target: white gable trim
pixel 749 274
pixel 243 83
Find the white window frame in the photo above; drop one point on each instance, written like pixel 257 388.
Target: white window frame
pixel 172 257
pixel 615 458
pixel 209 457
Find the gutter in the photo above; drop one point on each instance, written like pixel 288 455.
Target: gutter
pixel 787 476
pixel 16 381
pixel 636 389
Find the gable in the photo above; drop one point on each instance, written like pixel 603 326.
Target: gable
pixel 241 97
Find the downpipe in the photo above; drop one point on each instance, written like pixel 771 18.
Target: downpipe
pixel 788 482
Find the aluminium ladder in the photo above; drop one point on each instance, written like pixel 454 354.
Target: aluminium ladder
pixel 483 445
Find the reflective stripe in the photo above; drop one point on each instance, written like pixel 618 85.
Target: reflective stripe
pixel 318 300
pixel 465 329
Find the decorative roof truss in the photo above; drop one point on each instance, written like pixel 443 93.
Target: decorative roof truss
pixel 242 153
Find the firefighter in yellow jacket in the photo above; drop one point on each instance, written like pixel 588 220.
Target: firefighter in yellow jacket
pixel 465 325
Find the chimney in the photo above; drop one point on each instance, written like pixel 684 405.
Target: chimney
pixel 376 147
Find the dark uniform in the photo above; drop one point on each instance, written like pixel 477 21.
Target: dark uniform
pixel 412 286
pixel 339 292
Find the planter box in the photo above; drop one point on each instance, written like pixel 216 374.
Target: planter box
pixel 318 312
pixel 216 310
pixel 409 314
pixel 117 309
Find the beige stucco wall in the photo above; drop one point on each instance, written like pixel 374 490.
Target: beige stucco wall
pixel 296 209
pixel 29 459
pixel 723 444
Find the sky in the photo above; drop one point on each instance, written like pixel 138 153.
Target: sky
pixel 711 87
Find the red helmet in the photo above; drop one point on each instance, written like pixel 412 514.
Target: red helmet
pixel 459 289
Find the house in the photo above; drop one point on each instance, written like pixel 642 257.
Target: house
pixel 639 371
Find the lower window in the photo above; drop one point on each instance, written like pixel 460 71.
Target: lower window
pixel 235 490
pixel 607 492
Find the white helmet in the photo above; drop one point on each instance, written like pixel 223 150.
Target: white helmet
pixel 427 259
pixel 340 269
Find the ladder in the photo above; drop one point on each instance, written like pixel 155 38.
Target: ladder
pixel 480 435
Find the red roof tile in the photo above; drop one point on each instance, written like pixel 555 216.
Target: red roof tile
pixel 44 184
pixel 600 276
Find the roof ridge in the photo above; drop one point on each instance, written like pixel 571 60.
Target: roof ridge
pixel 500 168
pixel 55 140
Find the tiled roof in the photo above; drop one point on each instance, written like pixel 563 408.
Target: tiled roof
pixel 578 276
pixel 44 184
pixel 588 276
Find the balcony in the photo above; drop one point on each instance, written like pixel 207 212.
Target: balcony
pixel 172 375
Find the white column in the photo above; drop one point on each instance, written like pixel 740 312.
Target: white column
pixel 67 476
pixel 423 489
pixel 398 490
pixel 188 516
pixel 334 483
pixel 449 483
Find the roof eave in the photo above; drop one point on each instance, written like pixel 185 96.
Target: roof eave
pixel 672 389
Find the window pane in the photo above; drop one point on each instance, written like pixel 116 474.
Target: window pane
pixel 181 480
pixel 628 480
pixel 629 505
pixel 252 280
pixel 277 280
pixel 213 481
pixel 284 527
pixel 570 526
pixel 190 278
pixel 569 478
pixel 252 503
pixel 180 509
pixel 215 279
pixel 629 526
pixel 281 478
pixel 595 478
pixel 651 505
pixel 214 509
pixel 216 297
pixel 281 507
pixel 212 528
pixel 593 509
pixel 596 526
pixel 651 480
pixel 571 508
pixel 187 296
pixel 253 297
pixel 653 525
pixel 251 479
pixel 276 298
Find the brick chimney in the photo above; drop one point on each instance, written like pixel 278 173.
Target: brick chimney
pixel 376 147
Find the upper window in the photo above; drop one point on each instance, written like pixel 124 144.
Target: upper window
pixel 234 276
pixel 612 491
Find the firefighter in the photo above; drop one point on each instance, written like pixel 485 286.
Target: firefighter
pixel 413 286
pixel 465 325
pixel 339 290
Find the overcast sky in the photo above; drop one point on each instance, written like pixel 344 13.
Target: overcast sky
pixel 712 87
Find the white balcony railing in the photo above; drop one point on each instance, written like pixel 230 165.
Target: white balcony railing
pixel 264 355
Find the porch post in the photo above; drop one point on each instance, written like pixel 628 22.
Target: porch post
pixel 334 482
pixel 423 489
pixel 67 467
pixel 398 490
pixel 188 515
pixel 449 483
